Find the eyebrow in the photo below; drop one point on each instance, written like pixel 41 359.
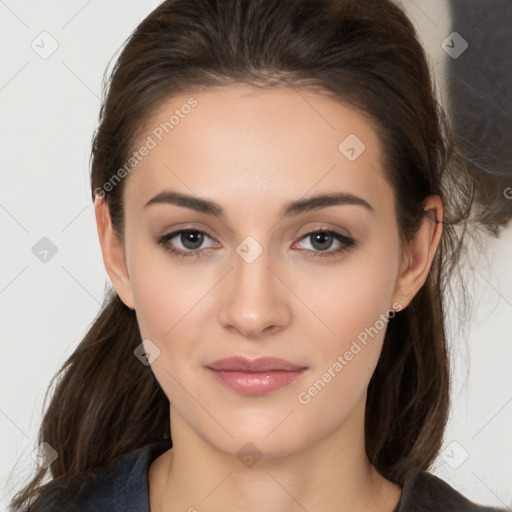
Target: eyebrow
pixel 290 209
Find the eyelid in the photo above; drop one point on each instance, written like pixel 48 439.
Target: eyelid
pixel 344 233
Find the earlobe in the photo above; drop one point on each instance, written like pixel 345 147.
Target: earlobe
pixel 420 253
pixel 112 251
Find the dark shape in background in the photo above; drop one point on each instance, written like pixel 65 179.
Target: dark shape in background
pixel 480 89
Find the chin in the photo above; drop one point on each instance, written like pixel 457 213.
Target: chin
pixel 268 438
pixel 257 446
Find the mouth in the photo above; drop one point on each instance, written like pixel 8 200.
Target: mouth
pixel 257 376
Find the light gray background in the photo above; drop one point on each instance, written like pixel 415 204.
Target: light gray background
pixel 48 110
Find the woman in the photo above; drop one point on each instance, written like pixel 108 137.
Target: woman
pixel 279 206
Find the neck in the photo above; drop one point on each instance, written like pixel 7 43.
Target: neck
pixel 331 474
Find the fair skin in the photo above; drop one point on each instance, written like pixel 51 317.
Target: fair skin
pixel 252 152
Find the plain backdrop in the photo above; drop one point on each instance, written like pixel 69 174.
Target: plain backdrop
pixel 48 110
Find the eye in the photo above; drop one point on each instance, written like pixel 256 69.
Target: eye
pixel 190 239
pixel 322 240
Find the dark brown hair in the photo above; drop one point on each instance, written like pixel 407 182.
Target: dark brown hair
pixel 362 53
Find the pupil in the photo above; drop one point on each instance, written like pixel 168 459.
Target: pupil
pixel 192 240
pixel 322 238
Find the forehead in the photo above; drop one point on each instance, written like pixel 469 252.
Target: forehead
pixel 243 143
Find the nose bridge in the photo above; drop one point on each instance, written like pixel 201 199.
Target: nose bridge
pixel 254 301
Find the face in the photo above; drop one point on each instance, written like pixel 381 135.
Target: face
pixel 266 270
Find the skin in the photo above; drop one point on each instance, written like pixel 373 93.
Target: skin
pixel 252 151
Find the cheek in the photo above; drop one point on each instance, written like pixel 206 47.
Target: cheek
pixel 346 359
pixel 167 304
pixel 354 305
pixel 351 297
pixel 165 293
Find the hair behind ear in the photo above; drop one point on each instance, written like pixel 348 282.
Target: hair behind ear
pixel 408 395
pixel 105 398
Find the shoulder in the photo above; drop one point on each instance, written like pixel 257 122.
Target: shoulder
pixel 119 486
pixel 425 492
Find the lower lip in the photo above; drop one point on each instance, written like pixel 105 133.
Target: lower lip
pixel 255 383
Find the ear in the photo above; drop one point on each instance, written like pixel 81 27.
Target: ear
pixel 112 250
pixel 420 253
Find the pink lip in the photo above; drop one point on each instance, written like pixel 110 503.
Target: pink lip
pixel 260 364
pixel 254 377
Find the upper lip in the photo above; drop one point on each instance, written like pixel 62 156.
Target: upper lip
pixel 260 364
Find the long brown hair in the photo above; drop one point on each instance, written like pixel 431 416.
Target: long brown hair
pixel 366 54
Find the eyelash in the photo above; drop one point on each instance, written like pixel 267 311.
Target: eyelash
pixel 347 243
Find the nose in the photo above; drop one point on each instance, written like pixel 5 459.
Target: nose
pixel 255 302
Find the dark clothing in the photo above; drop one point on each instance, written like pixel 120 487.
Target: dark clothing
pixel 122 486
